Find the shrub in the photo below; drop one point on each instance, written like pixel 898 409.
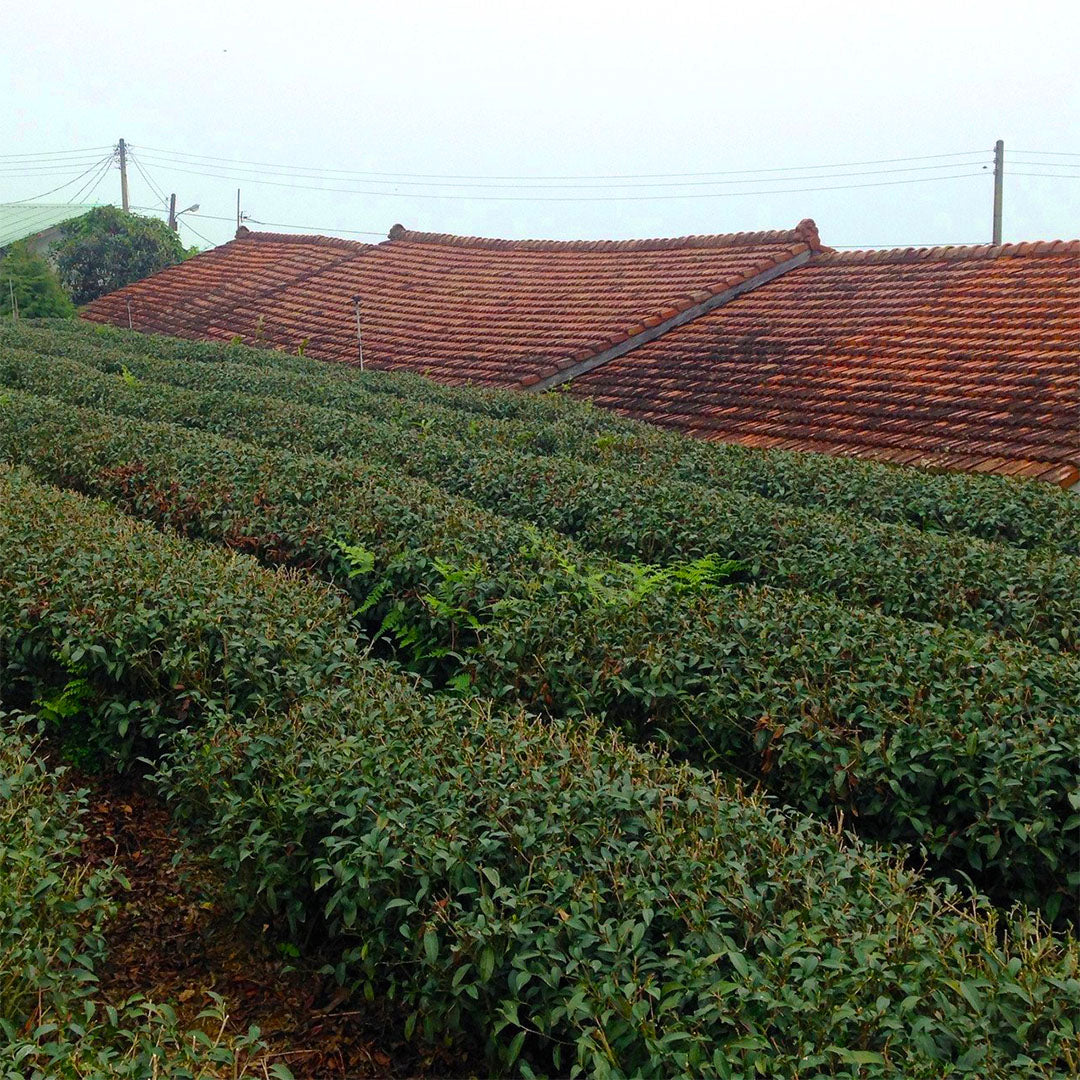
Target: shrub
pixel 920 735
pixel 584 906
pixel 53 914
pixel 1030 514
pixel 33 284
pixel 897 569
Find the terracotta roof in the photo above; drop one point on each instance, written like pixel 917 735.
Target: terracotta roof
pixel 462 309
pixel 960 358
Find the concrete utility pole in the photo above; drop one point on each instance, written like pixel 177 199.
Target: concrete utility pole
pixel 122 148
pixel 172 212
pixel 239 216
pixel 999 183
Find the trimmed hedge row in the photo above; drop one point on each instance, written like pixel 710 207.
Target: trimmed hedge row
pixel 896 569
pixel 1029 514
pixel 53 914
pixel 583 906
pixel 921 735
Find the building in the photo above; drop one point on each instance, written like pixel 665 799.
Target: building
pixel 958 358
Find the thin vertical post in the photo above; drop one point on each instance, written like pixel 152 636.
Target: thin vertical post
pixel 14 302
pixel 359 338
pixel 123 175
pixel 239 216
pixel 999 185
pixel 172 212
pixel 127 300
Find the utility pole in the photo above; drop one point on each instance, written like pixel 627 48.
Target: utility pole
pixel 359 339
pixel 999 184
pixel 172 212
pixel 239 216
pixel 122 148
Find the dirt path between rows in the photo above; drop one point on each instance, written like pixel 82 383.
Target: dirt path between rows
pixel 174 940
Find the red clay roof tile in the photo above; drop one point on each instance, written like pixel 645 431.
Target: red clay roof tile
pixel 959 357
pixel 465 309
pixel 964 358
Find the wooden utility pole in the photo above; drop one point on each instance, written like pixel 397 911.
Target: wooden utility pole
pixel 122 148
pixel 239 216
pixel 172 212
pixel 999 184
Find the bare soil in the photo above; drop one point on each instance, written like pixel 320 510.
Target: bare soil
pixel 174 939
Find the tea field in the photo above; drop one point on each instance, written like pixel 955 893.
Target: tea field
pixel 592 749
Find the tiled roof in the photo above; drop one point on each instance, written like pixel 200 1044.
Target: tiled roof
pixel 462 309
pixel 962 358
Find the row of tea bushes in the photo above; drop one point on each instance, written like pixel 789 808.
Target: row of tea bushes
pixel 586 908
pixel 994 508
pixel 896 569
pixel 54 911
pixel 926 736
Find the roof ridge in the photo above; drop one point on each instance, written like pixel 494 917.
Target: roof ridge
pixel 805 232
pixel 676 312
pixel 244 233
pixel 948 252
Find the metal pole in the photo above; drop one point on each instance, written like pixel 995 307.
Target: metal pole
pixel 172 211
pixel 127 300
pixel 123 176
pixel 359 339
pixel 14 302
pixel 238 215
pixel 999 184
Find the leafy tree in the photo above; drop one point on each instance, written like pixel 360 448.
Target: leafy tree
pixel 107 249
pixel 36 288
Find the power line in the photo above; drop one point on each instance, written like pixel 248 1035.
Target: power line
pixel 590 186
pixel 56 153
pixel 576 198
pixel 53 191
pixel 45 170
pixel 276 224
pixel 205 239
pixel 312 228
pixel 1053 175
pixel 149 183
pixel 295 169
pixel 93 183
pixel 1048 153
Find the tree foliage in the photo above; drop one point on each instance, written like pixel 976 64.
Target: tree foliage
pixel 34 285
pixel 107 249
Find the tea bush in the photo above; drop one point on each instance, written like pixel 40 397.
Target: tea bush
pixel 920 735
pixel 897 569
pixel 1029 514
pixel 584 907
pixel 53 915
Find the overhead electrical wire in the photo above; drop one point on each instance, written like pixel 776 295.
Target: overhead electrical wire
pixel 276 224
pixel 187 224
pixel 93 183
pixel 1049 153
pixel 57 153
pixel 1053 175
pixel 570 198
pixel 588 187
pixel 149 182
pixel 75 180
pixel 19 170
pixel 294 169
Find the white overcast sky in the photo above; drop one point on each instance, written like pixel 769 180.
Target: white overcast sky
pixel 546 89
